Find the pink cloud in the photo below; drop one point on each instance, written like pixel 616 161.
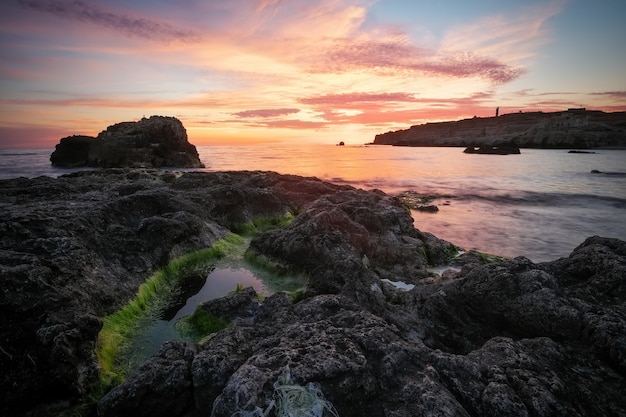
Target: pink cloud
pixel 350 98
pixel 294 124
pixel 265 113
pixel 619 95
pixel 396 108
pixel 395 57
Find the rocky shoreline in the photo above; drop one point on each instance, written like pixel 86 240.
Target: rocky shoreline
pixel 505 337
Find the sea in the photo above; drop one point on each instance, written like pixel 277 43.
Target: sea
pixel 540 204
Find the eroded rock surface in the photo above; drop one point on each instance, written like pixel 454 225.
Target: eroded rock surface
pixel 76 248
pixel 506 338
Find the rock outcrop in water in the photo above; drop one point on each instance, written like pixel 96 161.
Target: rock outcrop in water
pixel 155 142
pixel 503 338
pixel 574 128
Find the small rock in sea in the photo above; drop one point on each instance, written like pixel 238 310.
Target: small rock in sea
pixel 431 208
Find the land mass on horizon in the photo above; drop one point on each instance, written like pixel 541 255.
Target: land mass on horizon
pixel 573 128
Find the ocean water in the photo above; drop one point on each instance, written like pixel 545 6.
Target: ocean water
pixel 540 204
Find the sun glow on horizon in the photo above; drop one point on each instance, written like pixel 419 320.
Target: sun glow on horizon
pixel 325 71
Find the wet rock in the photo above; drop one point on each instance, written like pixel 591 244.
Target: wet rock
pixel 354 230
pixel 80 246
pixel 500 339
pixel 503 337
pixel 238 306
pixel 161 387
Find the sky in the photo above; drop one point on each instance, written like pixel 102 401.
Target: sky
pixel 262 71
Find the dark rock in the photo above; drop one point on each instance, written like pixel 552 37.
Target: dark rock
pixel 429 208
pixel 161 387
pixel 358 230
pixel 155 142
pixel 493 150
pixel 498 337
pixel 73 151
pixel 80 246
pixel 573 128
pixel 507 338
pixel 239 305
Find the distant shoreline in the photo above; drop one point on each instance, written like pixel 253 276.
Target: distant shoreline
pixel 573 128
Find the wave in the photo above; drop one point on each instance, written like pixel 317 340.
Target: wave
pixel 540 198
pixel 472 193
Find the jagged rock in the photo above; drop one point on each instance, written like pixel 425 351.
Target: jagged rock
pixel 242 304
pixel 155 142
pixel 508 337
pixel 80 246
pixel 348 228
pixel 499 339
pixel 161 387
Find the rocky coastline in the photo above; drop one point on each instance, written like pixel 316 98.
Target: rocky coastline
pixel 492 337
pixel 573 128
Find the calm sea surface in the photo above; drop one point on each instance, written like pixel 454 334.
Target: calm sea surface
pixel 540 204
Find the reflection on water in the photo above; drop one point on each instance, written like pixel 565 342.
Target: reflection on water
pixel 217 283
pixel 223 279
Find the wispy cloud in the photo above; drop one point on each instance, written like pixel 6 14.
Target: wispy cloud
pixel 351 98
pixel 240 66
pixel 134 26
pixel 293 124
pixel 395 57
pixel 265 113
pixel 618 95
pixel 385 109
pixel 512 38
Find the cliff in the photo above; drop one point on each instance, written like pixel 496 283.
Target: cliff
pixel 574 128
pixel 155 142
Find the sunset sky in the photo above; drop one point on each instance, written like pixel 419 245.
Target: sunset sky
pixel 248 71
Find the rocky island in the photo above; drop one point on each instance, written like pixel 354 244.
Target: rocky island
pixel 149 143
pixel 491 337
pixel 574 128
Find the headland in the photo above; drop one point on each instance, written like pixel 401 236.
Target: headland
pixel 573 128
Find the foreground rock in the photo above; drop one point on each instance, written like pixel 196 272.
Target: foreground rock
pixel 574 128
pixel 155 142
pixel 76 248
pixel 506 338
